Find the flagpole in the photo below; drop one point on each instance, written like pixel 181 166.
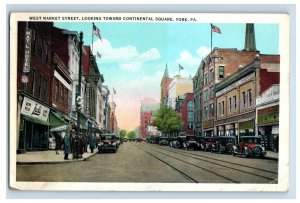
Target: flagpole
pixel 210 37
pixel 92 37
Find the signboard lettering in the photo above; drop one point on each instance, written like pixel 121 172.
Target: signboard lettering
pixel 27 51
pixel 34 109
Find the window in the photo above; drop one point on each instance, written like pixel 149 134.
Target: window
pixel 234 103
pixel 249 98
pixel 243 100
pixel 211 92
pixel 61 94
pixel 229 104
pixel 211 74
pixel 205 79
pixel 219 108
pixel 221 71
pixel 212 110
pixel 205 96
pixel 40 87
pixel 56 92
pixel 205 112
pixel 223 107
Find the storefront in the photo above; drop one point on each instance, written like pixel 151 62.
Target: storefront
pixel 268 126
pixel 267 114
pixel 34 126
pixel 246 128
pixel 208 128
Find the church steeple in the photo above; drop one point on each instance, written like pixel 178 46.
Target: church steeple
pixel 166 74
pixel 250 38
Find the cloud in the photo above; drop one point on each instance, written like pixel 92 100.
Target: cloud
pixel 127 57
pixel 187 58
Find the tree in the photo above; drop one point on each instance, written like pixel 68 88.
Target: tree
pixel 131 135
pixel 167 120
pixel 123 133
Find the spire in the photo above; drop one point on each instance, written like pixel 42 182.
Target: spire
pixel 250 38
pixel 166 74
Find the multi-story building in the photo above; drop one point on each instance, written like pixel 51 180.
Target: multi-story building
pixel 164 87
pixel 34 85
pixel 147 106
pixel 185 108
pixel 113 119
pixel 218 65
pixel 267 117
pixel 178 87
pixel 106 108
pixel 197 87
pixel 236 96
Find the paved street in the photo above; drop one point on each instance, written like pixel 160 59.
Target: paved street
pixel 143 162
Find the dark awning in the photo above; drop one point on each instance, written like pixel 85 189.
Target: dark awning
pixel 35 120
pixel 56 120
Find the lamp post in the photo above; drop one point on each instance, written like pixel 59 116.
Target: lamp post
pixel 78 99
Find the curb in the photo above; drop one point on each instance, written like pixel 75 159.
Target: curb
pixel 56 162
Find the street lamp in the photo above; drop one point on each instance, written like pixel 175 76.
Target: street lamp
pixel 79 98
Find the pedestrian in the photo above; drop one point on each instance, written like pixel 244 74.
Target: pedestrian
pixel 58 142
pixel 80 147
pixel 92 143
pixel 75 143
pixel 67 146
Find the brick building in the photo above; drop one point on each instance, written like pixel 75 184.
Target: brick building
pixel 148 105
pixel 236 96
pixel 164 85
pixel 185 108
pixel 34 85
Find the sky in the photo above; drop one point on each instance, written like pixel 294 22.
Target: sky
pixel 135 55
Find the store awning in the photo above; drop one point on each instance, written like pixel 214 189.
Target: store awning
pixel 35 120
pixel 56 120
pixel 61 128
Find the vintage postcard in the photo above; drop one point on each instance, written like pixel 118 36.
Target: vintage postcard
pixel 149 102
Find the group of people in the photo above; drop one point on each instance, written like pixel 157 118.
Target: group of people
pixel 75 144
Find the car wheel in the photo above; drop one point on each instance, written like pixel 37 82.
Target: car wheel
pixel 244 154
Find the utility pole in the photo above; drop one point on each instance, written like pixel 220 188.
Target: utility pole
pixel 79 98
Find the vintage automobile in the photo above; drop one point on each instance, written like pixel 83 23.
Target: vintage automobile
pixel 200 143
pixel 163 141
pixel 108 143
pixel 249 146
pixel 178 142
pixel 223 144
pixel 208 142
pixel 118 141
pixel 190 143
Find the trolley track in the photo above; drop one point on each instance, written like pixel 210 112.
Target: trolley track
pixel 244 169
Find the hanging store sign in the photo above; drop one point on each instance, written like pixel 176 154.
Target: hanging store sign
pixel 34 109
pixel 27 51
pixel 87 98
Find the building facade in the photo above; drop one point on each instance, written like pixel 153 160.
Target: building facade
pixel 267 117
pixel 148 105
pixel 164 87
pixel 178 87
pixel 197 91
pixel 236 96
pixel 185 108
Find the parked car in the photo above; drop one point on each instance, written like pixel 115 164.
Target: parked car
pixel 118 141
pixel 224 144
pixel 163 141
pixel 178 141
pixel 249 146
pixel 200 142
pixel 190 143
pixel 108 143
pixel 208 142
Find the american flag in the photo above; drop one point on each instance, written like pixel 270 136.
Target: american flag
pixel 215 29
pixel 99 55
pixel 96 32
pixel 180 67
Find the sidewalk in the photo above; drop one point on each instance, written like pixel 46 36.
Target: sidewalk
pixel 50 157
pixel 271 155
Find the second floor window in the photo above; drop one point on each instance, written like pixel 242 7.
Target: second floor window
pixel 243 100
pixel 249 98
pixel 229 104
pixel 221 71
pixel 234 103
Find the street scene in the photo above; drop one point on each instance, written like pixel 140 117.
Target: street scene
pixel 141 102
pixel 150 163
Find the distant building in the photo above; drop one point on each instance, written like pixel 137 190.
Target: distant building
pixel 164 87
pixel 178 87
pixel 147 106
pixel 113 119
pixel 185 108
